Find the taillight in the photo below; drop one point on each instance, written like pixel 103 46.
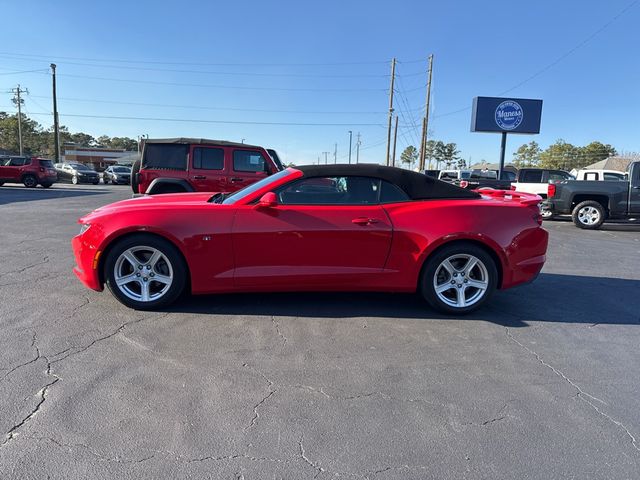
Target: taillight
pixel 551 190
pixel 538 218
pixel 464 184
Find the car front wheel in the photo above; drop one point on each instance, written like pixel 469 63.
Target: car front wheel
pixel 74 180
pixel 458 279
pixel 145 272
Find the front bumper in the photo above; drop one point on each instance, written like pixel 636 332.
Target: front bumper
pixel 86 257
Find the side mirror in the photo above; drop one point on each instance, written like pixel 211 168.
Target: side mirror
pixel 268 200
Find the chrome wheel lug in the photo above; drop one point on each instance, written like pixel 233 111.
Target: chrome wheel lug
pixel 455 274
pixel 137 274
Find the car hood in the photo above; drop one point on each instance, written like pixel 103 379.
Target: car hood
pixel 167 200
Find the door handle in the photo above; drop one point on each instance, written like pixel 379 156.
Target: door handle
pixel 199 177
pixel 364 221
pixel 236 179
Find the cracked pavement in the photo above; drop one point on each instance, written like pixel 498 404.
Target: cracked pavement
pixel 540 384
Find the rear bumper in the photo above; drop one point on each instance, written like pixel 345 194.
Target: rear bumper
pixel 526 258
pixel 85 254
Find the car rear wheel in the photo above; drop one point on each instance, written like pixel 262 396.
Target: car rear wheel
pixel 459 278
pixel 588 215
pixel 30 181
pixel 145 272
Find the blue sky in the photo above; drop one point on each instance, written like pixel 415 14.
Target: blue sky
pixel 305 73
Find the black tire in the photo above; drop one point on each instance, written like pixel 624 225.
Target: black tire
pixel 432 272
pixel 30 181
pixel 1 183
pixel 46 185
pixel 135 168
pixel 588 215
pixel 74 180
pixel 172 256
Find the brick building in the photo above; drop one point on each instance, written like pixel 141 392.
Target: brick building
pixel 97 157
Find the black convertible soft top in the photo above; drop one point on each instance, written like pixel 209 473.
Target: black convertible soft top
pixel 416 185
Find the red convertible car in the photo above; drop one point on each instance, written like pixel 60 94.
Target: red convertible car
pixel 320 228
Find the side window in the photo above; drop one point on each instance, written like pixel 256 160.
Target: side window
pixel 508 175
pixel 532 176
pixel 389 193
pixel 208 158
pixel 17 162
pixel 557 177
pixel 591 176
pixel 248 161
pixel 170 156
pixel 613 176
pixel 331 191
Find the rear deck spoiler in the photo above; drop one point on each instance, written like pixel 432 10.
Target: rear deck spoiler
pixel 511 196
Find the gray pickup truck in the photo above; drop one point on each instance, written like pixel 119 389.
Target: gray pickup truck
pixel 592 203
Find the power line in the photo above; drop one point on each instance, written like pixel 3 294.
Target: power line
pixel 236 87
pixel 209 64
pixel 201 107
pixel 556 61
pixel 233 122
pixel 207 72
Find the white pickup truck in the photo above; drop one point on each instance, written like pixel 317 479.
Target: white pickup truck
pixel 536 180
pixel 600 175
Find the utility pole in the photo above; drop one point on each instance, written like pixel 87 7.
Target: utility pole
pixel 56 127
pixel 358 149
pixel 335 154
pixel 18 102
pixel 350 138
pixel 325 157
pixel 395 141
pixel 393 78
pixel 425 119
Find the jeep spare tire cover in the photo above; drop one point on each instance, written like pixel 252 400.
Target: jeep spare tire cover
pixel 135 168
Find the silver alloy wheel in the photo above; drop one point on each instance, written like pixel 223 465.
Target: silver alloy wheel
pixel 461 280
pixel 546 214
pixel 143 274
pixel 589 215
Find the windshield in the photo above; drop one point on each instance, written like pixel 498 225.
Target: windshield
pixel 465 175
pixel 121 169
pixel 276 159
pixel 254 187
pixel 80 166
pixel 46 163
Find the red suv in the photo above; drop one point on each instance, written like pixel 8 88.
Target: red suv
pixel 27 170
pixel 195 164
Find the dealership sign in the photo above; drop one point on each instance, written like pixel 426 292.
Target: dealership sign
pixel 509 115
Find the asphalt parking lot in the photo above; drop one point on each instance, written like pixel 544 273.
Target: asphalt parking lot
pixel 542 384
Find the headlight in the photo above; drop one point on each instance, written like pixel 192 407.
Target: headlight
pixel 84 227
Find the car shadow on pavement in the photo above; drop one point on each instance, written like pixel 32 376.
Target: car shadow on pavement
pixel 551 298
pixel 610 226
pixel 13 194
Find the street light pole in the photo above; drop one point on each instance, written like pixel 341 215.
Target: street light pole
pixel 350 138
pixel 56 132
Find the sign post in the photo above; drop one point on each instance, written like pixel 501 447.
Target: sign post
pixel 505 115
